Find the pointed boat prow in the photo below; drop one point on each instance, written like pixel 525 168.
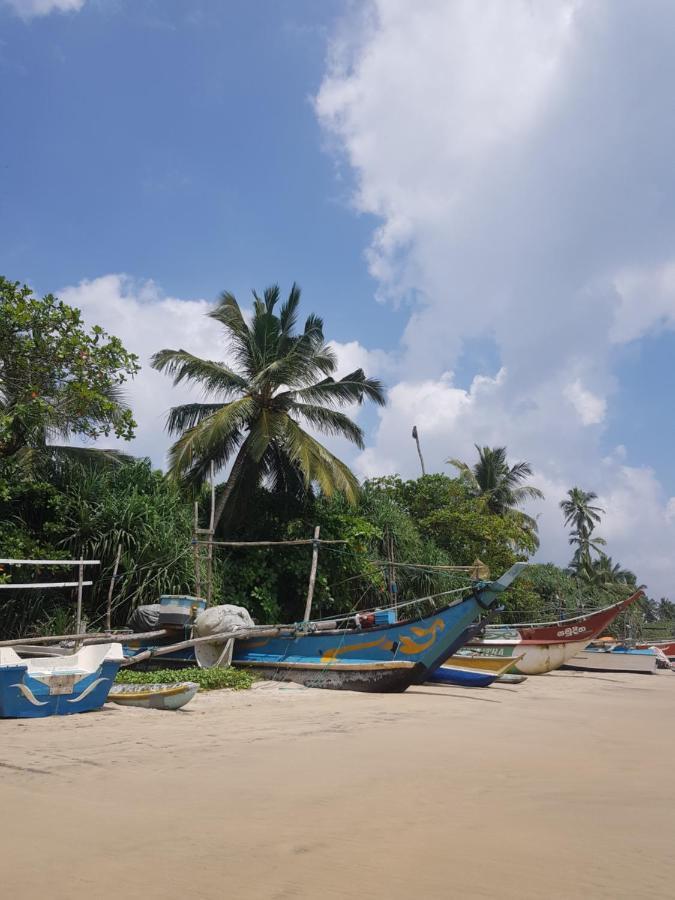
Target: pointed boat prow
pixel 488 591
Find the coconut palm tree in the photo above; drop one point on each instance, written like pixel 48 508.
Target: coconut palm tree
pixel 278 379
pixel 603 572
pixel 579 511
pixel 500 485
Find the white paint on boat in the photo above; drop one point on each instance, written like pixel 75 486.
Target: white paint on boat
pixel 537 659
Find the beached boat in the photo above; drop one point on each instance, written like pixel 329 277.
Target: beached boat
pixel 470 671
pixel 428 640
pixel 614 659
pixel 666 647
pixel 57 685
pixel 452 672
pixel 384 677
pixel 154 696
pixel 547 646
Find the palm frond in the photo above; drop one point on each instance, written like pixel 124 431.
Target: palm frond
pixel 329 421
pixel 213 376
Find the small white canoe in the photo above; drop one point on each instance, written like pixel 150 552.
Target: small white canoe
pixel 154 696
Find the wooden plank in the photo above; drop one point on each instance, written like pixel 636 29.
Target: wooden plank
pixel 47 584
pixel 49 562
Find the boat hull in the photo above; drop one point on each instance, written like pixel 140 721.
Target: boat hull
pixel 57 685
pixel 548 646
pixel 639 662
pixel 153 696
pixel 536 658
pixel 461 677
pixel 353 675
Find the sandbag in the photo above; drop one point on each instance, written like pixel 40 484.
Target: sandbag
pixel 216 620
pixel 145 618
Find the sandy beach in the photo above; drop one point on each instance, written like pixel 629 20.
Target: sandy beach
pixel 560 787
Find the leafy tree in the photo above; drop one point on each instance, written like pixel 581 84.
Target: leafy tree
pixel 57 379
pixel 501 485
pixel 279 379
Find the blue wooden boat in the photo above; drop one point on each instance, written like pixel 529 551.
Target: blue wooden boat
pixel 57 685
pixel 428 640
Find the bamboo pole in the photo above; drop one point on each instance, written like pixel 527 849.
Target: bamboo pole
pixel 312 573
pixel 108 611
pixel 298 543
pixel 80 578
pixel 255 631
pixel 195 545
pixel 88 637
pixel 209 555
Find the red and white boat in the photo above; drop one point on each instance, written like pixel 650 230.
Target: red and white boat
pixel 666 647
pixel 546 646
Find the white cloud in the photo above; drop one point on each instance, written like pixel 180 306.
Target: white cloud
pixel 646 302
pixel 29 9
pixel 146 320
pixel 518 157
pixel 591 408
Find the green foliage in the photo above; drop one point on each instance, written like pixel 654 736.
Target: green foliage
pixel 282 377
pixel 207 679
pixel 56 378
pixel 88 511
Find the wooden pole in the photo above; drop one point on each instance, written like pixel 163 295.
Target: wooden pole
pixel 209 557
pixel 111 588
pixel 198 580
pixel 80 579
pixel 419 451
pixel 312 573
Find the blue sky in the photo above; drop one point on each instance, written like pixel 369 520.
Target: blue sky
pixel 478 198
pixel 178 141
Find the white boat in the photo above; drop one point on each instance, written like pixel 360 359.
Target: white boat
pixel 154 696
pixel 612 659
pixel 57 685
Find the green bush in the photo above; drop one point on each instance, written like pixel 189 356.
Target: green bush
pixel 207 679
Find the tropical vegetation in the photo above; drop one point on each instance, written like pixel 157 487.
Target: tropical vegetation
pixel 275 384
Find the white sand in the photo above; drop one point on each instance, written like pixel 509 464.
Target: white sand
pixel 560 787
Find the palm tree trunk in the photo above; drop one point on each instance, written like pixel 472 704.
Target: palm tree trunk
pixel 226 493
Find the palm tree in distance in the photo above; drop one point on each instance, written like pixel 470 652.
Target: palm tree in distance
pixel 579 511
pixel 583 516
pixel 500 485
pixel 279 378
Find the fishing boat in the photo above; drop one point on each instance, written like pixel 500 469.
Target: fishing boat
pixel 666 647
pixel 470 671
pixel 153 696
pixel 428 640
pixel 383 677
pixel 547 646
pixel 57 685
pixel 615 659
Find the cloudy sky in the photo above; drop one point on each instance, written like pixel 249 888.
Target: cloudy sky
pixel 477 197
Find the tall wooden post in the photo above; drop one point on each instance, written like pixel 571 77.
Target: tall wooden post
pixel 195 545
pixel 312 573
pixel 417 441
pixel 80 579
pixel 111 588
pixel 209 555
